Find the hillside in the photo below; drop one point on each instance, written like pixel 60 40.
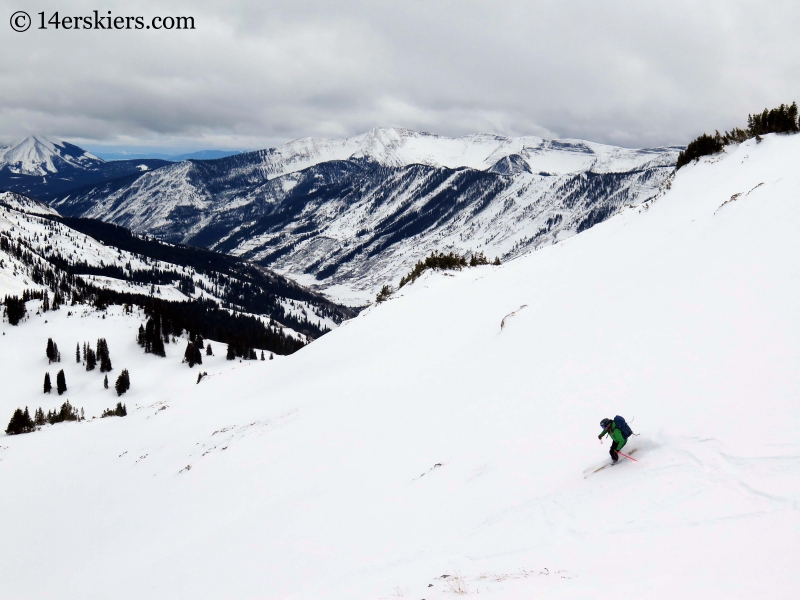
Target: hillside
pixel 353 214
pixel 86 261
pixel 421 450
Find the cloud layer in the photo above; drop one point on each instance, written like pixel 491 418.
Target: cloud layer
pixel 253 75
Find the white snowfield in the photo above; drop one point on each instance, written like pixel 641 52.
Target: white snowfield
pixel 420 451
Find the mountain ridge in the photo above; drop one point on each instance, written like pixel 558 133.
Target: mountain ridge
pixel 356 213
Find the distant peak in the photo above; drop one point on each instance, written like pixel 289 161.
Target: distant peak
pixel 39 155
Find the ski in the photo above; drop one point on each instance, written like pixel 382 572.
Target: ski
pixel 608 464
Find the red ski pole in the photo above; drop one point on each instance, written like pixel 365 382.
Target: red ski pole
pixel 626 456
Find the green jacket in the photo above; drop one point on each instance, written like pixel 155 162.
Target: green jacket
pixel 615 435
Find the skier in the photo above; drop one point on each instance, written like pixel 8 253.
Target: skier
pixel 618 440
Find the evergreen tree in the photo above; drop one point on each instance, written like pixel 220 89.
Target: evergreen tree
pixel 103 355
pixel 67 412
pixel 158 341
pixel 123 383
pixel 77 353
pixel 149 333
pixel 384 294
pixel 231 354
pixel 105 381
pixel 15 308
pixel 119 411
pixel 45 302
pixel 38 417
pixel 209 352
pixel 778 120
pixel 262 355
pixel 152 337
pixel 478 259
pixel 140 337
pixel 61 382
pixel 271 356
pixel 20 422
pixel 91 359
pixel 192 355
pixel 52 351
pixel 702 146
pixel 47 385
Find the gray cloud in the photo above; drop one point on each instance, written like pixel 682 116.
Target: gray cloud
pixel 257 74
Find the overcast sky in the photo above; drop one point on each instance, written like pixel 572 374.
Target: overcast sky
pixel 256 74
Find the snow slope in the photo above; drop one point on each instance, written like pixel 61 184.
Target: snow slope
pixel 23 204
pixel 421 440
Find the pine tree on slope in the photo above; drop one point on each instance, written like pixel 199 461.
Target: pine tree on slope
pixel 61 382
pixel 123 383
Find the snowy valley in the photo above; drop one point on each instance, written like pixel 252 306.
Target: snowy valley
pixel 420 450
pixel 347 216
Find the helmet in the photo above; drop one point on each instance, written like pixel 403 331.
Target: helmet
pixel 605 423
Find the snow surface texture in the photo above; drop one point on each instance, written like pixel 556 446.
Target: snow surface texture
pixel 38 155
pixel 420 440
pixel 354 214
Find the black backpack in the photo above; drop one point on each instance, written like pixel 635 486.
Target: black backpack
pixel 623 427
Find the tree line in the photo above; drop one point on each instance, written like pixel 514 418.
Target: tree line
pixel 437 260
pixel 783 119
pixel 21 421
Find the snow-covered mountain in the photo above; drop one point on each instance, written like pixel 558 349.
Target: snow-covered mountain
pixel 42 167
pixel 353 214
pixel 394 147
pixel 42 156
pixel 422 450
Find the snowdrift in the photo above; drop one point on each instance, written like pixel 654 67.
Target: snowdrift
pixel 422 451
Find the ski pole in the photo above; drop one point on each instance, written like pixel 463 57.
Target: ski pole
pixel 626 456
